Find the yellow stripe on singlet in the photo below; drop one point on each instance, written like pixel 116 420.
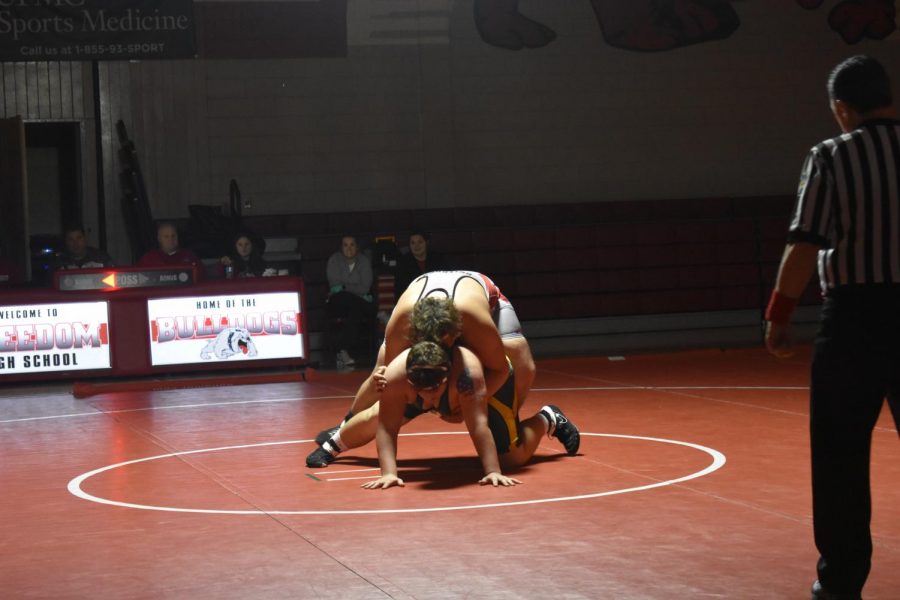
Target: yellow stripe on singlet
pixel 508 412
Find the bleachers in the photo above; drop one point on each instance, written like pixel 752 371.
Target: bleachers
pixel 579 261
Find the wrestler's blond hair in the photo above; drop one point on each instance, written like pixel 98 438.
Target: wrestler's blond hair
pixel 433 319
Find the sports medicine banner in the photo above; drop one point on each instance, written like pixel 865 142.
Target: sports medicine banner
pixel 68 336
pixel 208 329
pixel 96 29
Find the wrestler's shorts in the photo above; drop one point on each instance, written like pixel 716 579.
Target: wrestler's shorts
pixel 503 415
pixel 506 320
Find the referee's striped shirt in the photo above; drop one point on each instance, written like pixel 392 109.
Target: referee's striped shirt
pixel 849 205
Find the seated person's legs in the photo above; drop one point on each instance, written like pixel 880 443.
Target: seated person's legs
pixel 338 311
pixel 354 313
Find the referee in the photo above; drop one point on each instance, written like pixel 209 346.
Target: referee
pixel 847 222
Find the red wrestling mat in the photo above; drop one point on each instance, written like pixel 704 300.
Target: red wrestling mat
pixel 692 481
pixel 87 389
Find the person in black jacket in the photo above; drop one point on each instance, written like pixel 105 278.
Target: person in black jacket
pixel 418 260
pixel 244 259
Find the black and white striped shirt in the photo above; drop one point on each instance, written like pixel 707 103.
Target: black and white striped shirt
pixel 849 204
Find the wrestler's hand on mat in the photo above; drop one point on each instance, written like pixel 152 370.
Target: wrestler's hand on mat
pixel 384 482
pixel 498 479
pixel 379 379
pixel 778 339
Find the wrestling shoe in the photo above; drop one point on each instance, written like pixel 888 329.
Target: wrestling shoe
pixel 318 458
pixel 565 431
pixel 325 435
pixel 820 593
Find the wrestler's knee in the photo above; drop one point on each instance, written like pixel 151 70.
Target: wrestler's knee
pixel 514 459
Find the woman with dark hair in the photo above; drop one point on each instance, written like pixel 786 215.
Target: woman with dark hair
pixel 244 260
pixel 417 261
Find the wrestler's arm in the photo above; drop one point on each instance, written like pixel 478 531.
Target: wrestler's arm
pixel 396 340
pixel 481 336
pixel 396 334
pixel 470 387
pixel 390 418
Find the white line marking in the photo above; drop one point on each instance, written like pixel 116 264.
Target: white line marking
pixel 24 419
pixel 101 412
pixel 236 402
pixel 352 478
pixel 175 407
pixel 346 471
pixel 74 486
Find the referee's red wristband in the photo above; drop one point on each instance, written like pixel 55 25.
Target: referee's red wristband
pixel 780 308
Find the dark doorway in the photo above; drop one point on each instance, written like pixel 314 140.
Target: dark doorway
pixel 54 188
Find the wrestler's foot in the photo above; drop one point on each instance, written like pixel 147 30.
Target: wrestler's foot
pixel 318 458
pixel 325 435
pixel 564 430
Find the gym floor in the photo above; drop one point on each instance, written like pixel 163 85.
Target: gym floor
pixel 692 482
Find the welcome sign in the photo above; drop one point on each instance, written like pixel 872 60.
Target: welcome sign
pixel 68 336
pixel 62 30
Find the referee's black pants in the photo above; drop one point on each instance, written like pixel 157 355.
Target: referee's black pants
pixel 855 366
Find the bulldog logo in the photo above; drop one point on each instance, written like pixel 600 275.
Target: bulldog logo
pixel 230 341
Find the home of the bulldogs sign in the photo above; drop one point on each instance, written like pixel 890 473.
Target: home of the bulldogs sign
pixel 231 327
pixel 67 336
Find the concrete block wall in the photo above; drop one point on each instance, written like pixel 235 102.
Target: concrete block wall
pixel 421 113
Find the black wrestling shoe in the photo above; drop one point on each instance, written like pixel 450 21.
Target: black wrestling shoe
pixel 820 593
pixel 565 431
pixel 318 458
pixel 325 435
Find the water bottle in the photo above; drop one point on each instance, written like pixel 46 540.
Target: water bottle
pixel 229 271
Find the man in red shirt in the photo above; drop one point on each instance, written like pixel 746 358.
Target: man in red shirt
pixel 168 253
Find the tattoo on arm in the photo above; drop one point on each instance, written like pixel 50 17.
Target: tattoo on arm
pixel 465 385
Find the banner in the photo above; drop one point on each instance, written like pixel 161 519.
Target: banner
pixel 232 328
pixel 70 336
pixel 271 29
pixel 32 30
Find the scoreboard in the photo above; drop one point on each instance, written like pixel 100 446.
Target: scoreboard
pixel 123 278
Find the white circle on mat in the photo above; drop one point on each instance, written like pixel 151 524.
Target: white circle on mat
pixel 74 486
